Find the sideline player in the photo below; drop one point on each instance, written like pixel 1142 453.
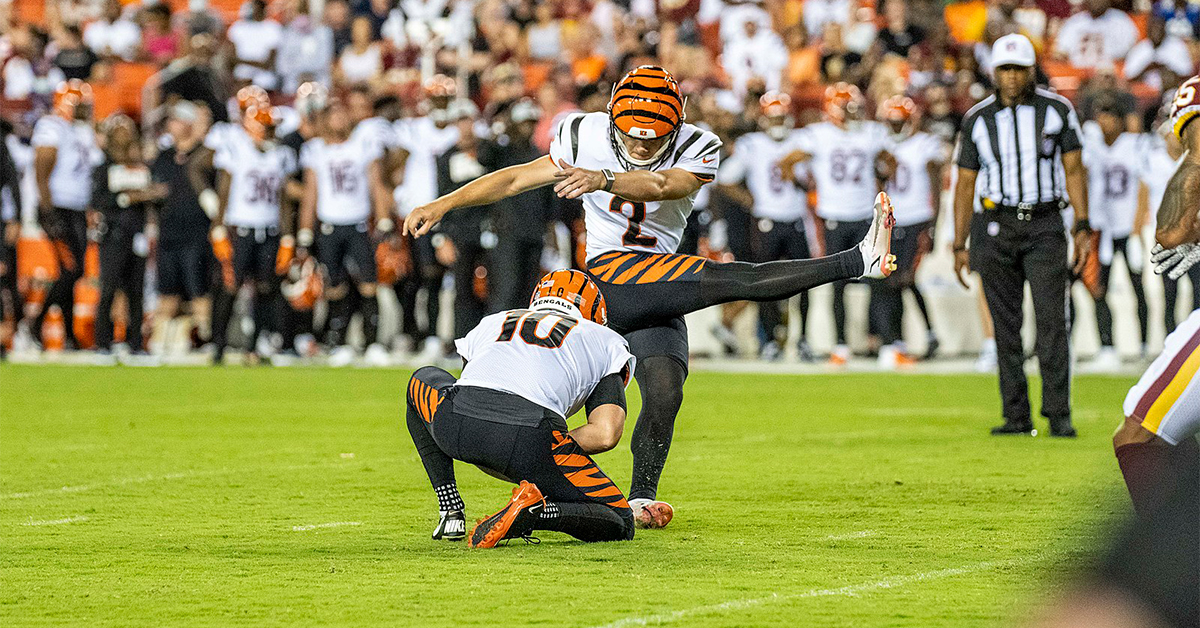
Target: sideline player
pixel 526 371
pixel 344 190
pixel 847 154
pixel 65 152
pixel 916 189
pixel 638 167
pixel 1157 441
pixel 778 204
pixel 252 174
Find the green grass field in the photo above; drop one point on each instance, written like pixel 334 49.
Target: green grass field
pixel 262 497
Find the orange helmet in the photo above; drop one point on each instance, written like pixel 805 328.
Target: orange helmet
pixel 70 96
pixel 303 285
pixel 775 104
pixel 842 101
pixel 571 292
pixel 252 96
pixel 897 109
pixel 441 86
pixel 259 122
pixel 646 104
pixel 311 99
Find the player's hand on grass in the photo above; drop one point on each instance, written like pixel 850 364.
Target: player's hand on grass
pixel 962 266
pixel 422 219
pixel 1174 262
pixel 575 182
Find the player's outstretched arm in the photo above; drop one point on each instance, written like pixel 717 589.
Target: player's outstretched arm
pixel 487 189
pixel 641 186
pixel 1177 216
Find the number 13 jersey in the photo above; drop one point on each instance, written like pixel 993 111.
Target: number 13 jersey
pixel 544 357
pixel 843 164
pixel 616 224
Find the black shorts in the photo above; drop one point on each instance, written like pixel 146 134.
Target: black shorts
pixel 183 270
pixel 907 247
pixel 545 455
pixel 646 295
pixel 844 235
pixel 346 251
pixel 254 253
pixel 778 240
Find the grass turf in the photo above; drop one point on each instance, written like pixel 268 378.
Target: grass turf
pixel 188 497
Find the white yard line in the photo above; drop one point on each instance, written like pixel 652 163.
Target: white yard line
pixel 142 479
pixel 849 591
pixel 55 522
pixel 335 524
pixel 861 534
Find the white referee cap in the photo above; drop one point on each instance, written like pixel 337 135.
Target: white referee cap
pixel 1013 49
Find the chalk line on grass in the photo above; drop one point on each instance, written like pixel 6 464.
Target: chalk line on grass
pixel 334 524
pixel 850 591
pixel 55 522
pixel 861 534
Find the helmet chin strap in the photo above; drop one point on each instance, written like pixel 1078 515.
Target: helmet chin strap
pixel 635 161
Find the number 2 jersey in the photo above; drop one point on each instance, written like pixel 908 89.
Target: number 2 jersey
pixel 543 357
pixel 616 224
pixel 843 164
pixel 256 181
pixel 343 187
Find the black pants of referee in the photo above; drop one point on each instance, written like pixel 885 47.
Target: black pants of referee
pixel 1007 252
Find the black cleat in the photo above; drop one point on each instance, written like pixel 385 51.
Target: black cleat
pixel 1024 428
pixel 451 527
pixel 932 349
pixel 1062 428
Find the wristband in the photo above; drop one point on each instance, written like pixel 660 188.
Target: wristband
pixel 123 200
pixel 1081 225
pixel 609 179
pixel 287 241
pixel 219 232
pixel 385 225
pixel 304 237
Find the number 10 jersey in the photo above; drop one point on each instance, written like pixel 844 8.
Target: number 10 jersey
pixel 544 357
pixel 617 224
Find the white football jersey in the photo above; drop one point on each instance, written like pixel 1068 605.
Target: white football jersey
pixel 71 179
pixel 1157 168
pixel 843 164
pixel 376 130
pixel 221 135
pixel 544 357
pixel 343 189
pixel 910 189
pixel 613 223
pixel 425 142
pixel 256 182
pixel 1113 175
pixel 755 160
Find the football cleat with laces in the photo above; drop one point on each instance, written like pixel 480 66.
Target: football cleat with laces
pixel 515 520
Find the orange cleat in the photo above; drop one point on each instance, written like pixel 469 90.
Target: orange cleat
pixel 651 514
pixel 515 520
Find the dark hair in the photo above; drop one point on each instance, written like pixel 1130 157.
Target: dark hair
pixel 73 29
pixel 385 101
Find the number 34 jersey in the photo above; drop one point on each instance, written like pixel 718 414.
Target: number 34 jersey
pixel 843 164
pixel 616 224
pixel 544 357
pixel 256 181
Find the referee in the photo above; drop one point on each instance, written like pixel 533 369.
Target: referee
pixel 1023 145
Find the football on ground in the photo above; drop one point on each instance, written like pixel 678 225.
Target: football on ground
pixel 263 497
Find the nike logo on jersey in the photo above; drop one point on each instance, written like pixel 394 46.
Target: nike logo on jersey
pixel 709 160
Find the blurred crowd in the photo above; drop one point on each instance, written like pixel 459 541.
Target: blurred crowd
pixel 443 91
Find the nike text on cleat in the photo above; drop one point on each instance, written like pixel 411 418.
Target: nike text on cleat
pixel 515 520
pixel 451 527
pixel 876 248
pixel 650 514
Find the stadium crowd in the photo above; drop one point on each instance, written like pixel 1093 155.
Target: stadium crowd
pixel 122 122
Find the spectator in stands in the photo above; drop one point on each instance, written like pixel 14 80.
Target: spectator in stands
pixel 194 79
pixel 1158 51
pixel 760 54
pixel 1095 37
pixel 27 72
pixel 113 35
pixel 587 64
pixel 543 38
pixel 160 43
pixel 898 34
pixel 74 59
pixel 305 52
pixel 376 12
pixel 199 19
pixel 818 14
pixel 337 18
pixel 362 60
pixel 1107 87
pixel 1182 18
pixel 255 42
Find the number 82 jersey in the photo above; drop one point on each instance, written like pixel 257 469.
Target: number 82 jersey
pixel 617 224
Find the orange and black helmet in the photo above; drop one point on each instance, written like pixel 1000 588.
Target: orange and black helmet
pixel 775 104
pixel 897 109
pixel 570 292
pixel 843 100
pixel 252 96
pixel 259 122
pixel 70 96
pixel 646 104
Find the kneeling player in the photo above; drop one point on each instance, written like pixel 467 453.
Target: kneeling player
pixel 526 371
pixel 1163 408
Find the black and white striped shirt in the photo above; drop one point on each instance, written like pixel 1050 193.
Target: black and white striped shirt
pixel 1020 162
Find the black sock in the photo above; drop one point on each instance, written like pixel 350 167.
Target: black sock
pixel 448 497
pixel 1147 471
pixel 261 317
pixel 339 320
pixel 775 281
pixel 370 314
pixel 660 379
pixel 586 521
pixel 222 312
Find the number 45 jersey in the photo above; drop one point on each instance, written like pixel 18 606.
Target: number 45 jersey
pixel 547 358
pixel 616 224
